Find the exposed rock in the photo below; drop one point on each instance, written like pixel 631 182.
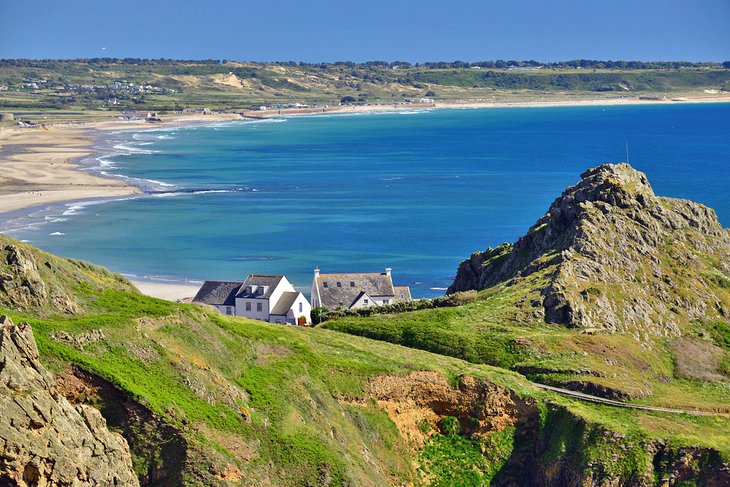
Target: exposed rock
pixel 160 450
pixel 480 405
pixel 22 286
pixel 589 454
pixel 79 340
pixel 616 257
pixel 45 440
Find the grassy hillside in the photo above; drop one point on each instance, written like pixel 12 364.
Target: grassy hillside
pixel 614 292
pixel 205 399
pixel 79 87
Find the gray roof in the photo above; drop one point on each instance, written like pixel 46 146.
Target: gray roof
pixel 351 286
pixel 405 291
pixel 286 301
pixel 259 280
pixel 218 293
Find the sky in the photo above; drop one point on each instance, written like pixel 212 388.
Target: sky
pixel 388 30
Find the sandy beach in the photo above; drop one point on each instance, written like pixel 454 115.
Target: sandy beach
pixel 169 292
pixel 37 168
pixel 38 165
pixel 481 104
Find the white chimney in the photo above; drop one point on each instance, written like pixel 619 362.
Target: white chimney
pixel 387 271
pixel 316 271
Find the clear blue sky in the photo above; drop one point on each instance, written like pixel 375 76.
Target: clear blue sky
pixel 389 30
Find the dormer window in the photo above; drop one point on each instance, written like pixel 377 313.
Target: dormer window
pixel 352 283
pixel 324 284
pixel 339 284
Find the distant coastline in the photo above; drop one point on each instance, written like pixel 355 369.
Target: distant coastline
pixel 42 167
pixel 386 107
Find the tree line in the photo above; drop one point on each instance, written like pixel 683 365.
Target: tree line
pixel 497 64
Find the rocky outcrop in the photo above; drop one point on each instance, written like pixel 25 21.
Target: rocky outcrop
pixel 44 440
pixel 160 450
pixel 22 286
pixel 615 257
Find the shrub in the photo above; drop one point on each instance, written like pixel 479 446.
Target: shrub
pixel 448 301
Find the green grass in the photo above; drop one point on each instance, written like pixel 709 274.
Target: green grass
pixel 290 406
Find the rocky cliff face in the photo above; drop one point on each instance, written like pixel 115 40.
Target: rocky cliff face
pixel 44 440
pixel 610 254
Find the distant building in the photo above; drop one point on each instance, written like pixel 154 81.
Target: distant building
pixel 356 290
pixel 259 297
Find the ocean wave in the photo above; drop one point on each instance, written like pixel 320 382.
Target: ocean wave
pixel 130 149
pixel 252 259
pixel 438 288
pixel 196 191
pixel 54 234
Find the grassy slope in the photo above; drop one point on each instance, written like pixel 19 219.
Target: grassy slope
pixel 290 426
pixel 493 330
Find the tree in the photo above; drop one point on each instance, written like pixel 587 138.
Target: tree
pixel 319 314
pixel 347 99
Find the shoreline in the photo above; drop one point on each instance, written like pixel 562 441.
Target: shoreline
pixel 477 104
pixel 43 166
pixel 62 150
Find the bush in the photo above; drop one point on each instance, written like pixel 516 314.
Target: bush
pixel 318 314
pixel 448 301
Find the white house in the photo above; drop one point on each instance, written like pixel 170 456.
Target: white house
pixel 356 290
pixel 265 298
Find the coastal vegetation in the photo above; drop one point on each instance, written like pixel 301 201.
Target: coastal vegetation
pixel 94 87
pixel 565 307
pixel 207 399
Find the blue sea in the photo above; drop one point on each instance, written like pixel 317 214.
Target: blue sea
pixel 417 191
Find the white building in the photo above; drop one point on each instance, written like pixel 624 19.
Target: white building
pixel 265 298
pixel 356 290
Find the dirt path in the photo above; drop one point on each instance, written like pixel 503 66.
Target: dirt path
pixel 610 402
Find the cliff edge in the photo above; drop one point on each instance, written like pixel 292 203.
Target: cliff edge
pixel 45 440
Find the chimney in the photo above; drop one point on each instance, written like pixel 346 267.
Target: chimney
pixel 316 271
pixel 387 271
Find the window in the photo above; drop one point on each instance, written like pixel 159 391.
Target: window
pixel 352 283
pixel 341 303
pixel 259 307
pixel 248 306
pixel 228 310
pixel 324 284
pixel 339 284
pixel 386 301
pixel 301 307
pixel 365 301
pixel 402 296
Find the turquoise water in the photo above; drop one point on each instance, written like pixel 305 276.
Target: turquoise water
pixel 416 191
